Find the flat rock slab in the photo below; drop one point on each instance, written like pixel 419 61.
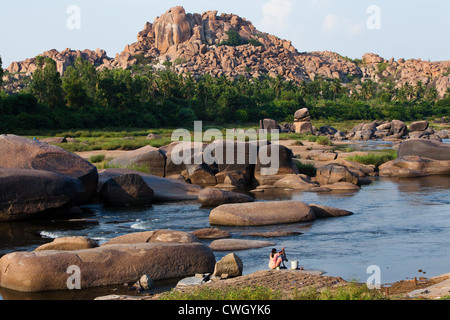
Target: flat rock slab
pixel 273 234
pixel 328 212
pixel 261 213
pixel 190 282
pixel 436 291
pixel 238 244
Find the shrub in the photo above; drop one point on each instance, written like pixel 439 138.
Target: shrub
pixel 375 158
pixel 352 291
pixel 97 158
pixel 306 168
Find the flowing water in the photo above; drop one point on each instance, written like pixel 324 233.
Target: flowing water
pixel 400 225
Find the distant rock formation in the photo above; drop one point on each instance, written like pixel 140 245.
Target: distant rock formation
pixel 191 43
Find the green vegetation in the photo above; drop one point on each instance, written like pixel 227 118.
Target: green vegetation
pixel 207 293
pixel 1 73
pixel 352 291
pixel 97 158
pixel 375 158
pixel 235 39
pixel 322 140
pixel 85 98
pixel 306 168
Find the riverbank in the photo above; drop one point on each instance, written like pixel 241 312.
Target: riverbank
pixel 303 285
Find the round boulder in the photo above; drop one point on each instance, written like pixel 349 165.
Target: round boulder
pixel 23 153
pixel 28 193
pixel 69 243
pixel 126 190
pixel 230 265
pixel 333 172
pixel 261 213
pixel 210 197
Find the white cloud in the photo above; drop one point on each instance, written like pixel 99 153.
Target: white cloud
pixel 336 24
pixel 321 3
pixel 276 15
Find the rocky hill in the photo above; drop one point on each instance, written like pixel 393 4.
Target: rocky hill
pixel 197 44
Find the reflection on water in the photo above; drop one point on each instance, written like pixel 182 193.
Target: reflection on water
pixel 400 225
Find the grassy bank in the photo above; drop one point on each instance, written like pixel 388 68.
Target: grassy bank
pixel 352 291
pixel 375 158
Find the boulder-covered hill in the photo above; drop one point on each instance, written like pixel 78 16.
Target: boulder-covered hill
pixel 191 43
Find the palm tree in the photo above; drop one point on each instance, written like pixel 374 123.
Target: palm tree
pixel 336 87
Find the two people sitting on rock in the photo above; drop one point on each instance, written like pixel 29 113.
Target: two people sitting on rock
pixel 277 259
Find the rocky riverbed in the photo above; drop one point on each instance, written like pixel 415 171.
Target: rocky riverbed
pixel 124 185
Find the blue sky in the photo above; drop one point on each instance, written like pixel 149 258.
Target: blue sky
pixel 404 28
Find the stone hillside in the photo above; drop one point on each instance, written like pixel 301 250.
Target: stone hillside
pixel 190 42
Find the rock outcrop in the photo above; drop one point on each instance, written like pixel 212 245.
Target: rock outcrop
pixel 191 41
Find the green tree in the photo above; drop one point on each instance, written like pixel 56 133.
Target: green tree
pixel 336 88
pixel 1 73
pixel 47 84
pixel 234 39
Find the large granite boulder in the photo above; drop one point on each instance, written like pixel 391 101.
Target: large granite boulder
pixel 414 166
pixel 424 148
pixel 164 189
pixel 149 157
pixel 398 129
pixel 126 190
pixel 296 181
pixel 230 265
pixel 418 126
pixel 274 162
pixel 215 197
pixel 333 172
pixel 27 193
pixel 161 255
pixel 23 153
pixel 103 266
pixel 181 155
pixel 269 124
pixel 261 213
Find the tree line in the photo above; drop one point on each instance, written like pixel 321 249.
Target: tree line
pixel 86 98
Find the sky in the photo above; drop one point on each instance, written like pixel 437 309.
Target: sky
pixel 391 28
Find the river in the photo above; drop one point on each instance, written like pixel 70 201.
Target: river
pixel 399 225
